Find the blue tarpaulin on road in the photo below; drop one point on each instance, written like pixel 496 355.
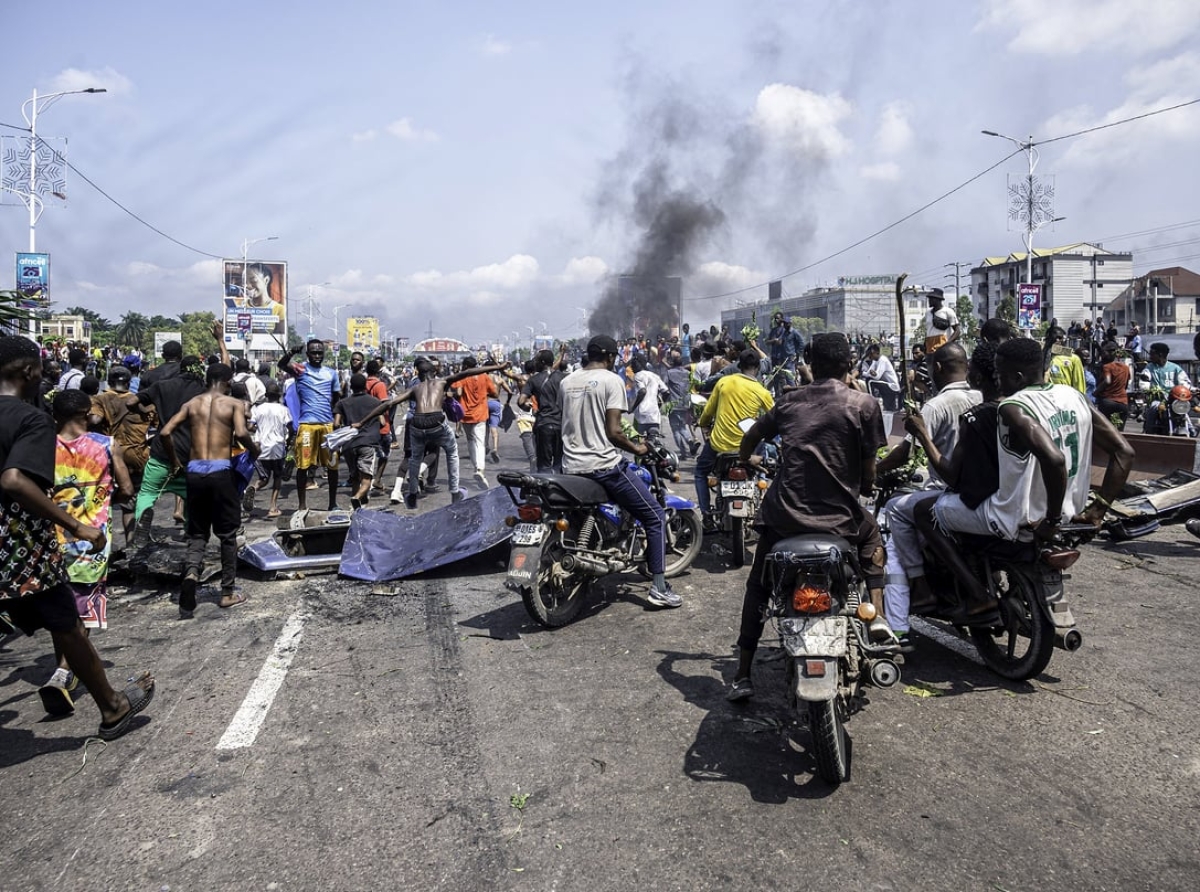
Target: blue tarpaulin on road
pixel 382 546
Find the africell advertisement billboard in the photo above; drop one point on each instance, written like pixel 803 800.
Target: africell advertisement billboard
pixel 33 279
pixel 255 304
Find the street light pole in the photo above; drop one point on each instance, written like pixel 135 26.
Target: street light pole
pixel 31 119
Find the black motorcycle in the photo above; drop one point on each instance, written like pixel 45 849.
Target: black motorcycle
pixel 567 533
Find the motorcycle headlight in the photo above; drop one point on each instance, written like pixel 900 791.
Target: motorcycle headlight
pixel 1180 407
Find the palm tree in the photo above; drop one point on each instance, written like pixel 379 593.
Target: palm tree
pixel 12 312
pixel 132 329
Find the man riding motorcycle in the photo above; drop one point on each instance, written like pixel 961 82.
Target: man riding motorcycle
pixel 1158 378
pixel 593 400
pixel 734 398
pixel 829 435
pixel 1045 437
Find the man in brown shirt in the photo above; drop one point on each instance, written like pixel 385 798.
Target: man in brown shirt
pixel 829 436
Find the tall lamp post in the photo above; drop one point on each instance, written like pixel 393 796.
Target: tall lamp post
pixel 1032 202
pixel 29 111
pixel 337 353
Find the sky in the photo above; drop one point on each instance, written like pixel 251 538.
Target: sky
pixel 478 170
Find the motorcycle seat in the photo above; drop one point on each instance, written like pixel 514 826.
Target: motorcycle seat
pixel 1002 549
pixel 812 545
pixel 568 490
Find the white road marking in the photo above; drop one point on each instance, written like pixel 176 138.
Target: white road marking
pixel 253 712
pixel 952 642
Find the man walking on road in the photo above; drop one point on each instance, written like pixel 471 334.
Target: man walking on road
pixel 216 421
pixel 544 386
pixel 475 392
pixel 316 387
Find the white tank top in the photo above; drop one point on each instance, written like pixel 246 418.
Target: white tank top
pixel 1065 414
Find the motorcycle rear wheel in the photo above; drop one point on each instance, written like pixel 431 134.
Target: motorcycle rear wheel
pixel 831 746
pixel 555 598
pixel 1020 648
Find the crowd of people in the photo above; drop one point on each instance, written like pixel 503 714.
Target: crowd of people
pixel 210 434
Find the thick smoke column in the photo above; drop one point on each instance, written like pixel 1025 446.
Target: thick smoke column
pixel 672 225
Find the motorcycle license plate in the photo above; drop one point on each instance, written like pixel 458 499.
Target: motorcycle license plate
pixel 823 636
pixel 737 488
pixel 528 534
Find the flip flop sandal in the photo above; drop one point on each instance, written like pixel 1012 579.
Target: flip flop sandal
pixel 237 602
pixel 139 698
pixel 56 700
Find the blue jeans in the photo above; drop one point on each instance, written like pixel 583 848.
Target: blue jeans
pixel 630 491
pixel 683 436
pixel 438 437
pixel 706 460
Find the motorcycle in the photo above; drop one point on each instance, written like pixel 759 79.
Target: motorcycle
pixel 821 611
pixel 567 534
pixel 1175 411
pixel 737 492
pixel 1026 579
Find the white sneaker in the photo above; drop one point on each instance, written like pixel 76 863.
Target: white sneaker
pixel 480 480
pixel 666 598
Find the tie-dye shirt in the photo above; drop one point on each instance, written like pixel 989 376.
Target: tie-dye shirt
pixel 83 485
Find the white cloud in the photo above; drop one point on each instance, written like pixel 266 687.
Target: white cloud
pixel 716 275
pixel 804 122
pixel 895 133
pixel 887 171
pixel 1069 27
pixel 584 271
pixel 75 79
pixel 365 136
pixel 515 272
pixel 1158 85
pixel 494 46
pixel 404 129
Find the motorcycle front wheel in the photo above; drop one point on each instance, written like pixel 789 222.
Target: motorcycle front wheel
pixel 830 743
pixel 1020 647
pixel 685 535
pixel 555 597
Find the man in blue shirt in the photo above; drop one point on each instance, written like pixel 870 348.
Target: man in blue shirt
pixel 316 388
pixel 786 344
pixel 1158 378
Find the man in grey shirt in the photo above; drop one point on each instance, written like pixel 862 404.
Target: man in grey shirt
pixel 940 413
pixel 593 400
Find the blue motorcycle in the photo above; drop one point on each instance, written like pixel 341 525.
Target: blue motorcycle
pixel 567 534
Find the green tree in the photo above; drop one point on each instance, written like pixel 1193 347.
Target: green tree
pixel 964 308
pixel 197 333
pixel 132 330
pixel 808 325
pixel 1007 309
pixel 98 322
pixel 11 311
pixel 162 323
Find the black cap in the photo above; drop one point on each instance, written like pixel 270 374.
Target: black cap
pixel 601 346
pixel 936 293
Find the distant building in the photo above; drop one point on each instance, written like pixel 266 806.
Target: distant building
pixel 445 349
pixel 1077 281
pixel 66 328
pixel 858 305
pixel 1169 296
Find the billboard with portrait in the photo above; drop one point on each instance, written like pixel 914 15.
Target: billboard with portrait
pixel 33 279
pixel 255 301
pixel 1029 306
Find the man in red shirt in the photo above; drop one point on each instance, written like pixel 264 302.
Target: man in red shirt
pixel 473 394
pixel 379 389
pixel 1112 387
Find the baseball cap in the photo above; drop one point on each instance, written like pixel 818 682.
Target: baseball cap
pixel 602 345
pixel 131 362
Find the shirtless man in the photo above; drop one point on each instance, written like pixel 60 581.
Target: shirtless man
pixel 216 421
pixel 428 423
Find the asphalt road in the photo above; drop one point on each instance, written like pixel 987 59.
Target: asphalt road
pixel 322 737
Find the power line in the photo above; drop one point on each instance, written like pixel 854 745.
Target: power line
pixel 87 180
pixel 946 195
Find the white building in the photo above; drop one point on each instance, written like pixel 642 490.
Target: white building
pixel 1078 281
pixel 858 305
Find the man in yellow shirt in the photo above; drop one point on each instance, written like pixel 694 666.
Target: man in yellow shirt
pixel 734 398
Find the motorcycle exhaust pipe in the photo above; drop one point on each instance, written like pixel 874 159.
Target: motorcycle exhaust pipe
pixel 1068 639
pixel 579 563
